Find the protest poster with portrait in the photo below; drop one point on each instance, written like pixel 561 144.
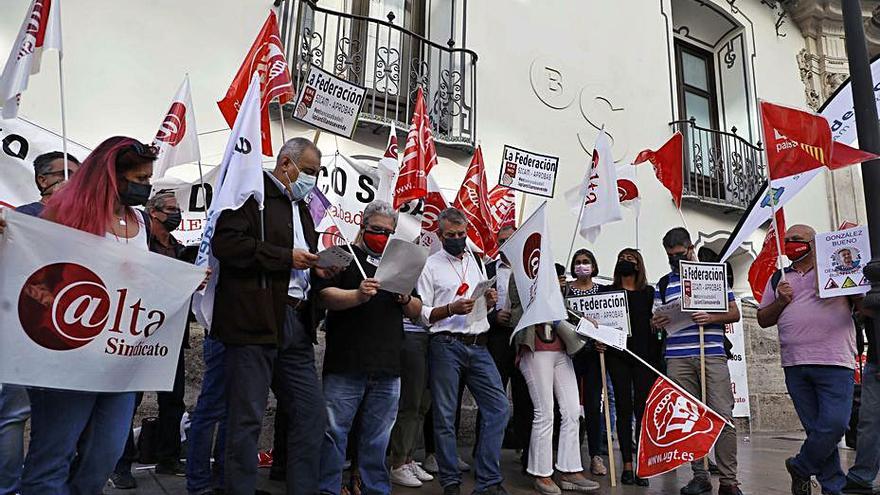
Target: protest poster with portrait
pixel 840 258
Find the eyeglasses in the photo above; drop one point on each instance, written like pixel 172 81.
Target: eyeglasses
pixel 378 230
pixel 148 151
pixel 59 172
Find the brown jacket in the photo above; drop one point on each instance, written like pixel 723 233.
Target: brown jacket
pixel 244 312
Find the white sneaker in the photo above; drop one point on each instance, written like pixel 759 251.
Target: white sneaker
pixel 404 476
pixel 463 466
pixel 420 473
pixel 430 464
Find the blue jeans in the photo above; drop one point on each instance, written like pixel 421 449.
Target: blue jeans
pixel 15 409
pixel 822 397
pixel 64 423
pixel 376 396
pixel 864 471
pixel 210 413
pixel 448 361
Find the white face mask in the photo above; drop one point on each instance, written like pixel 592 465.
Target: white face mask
pixel 583 271
pixel 303 185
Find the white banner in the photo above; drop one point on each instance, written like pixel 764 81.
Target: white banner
pixel 329 103
pixel 739 377
pixel 177 139
pixel 840 258
pixel 81 312
pixel 21 142
pixel 596 201
pixel 528 172
pixel 839 110
pixel 193 201
pixel 703 286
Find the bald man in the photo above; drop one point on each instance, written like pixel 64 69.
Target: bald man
pixel 817 346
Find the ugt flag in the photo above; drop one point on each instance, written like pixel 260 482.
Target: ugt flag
pixel 41 30
pixel 502 206
pixel 95 315
pixel 241 176
pixel 676 429
pixel 531 261
pixel 177 139
pixel 419 156
pixel 473 200
pixel 595 201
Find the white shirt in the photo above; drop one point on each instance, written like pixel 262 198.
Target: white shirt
pixel 502 279
pixel 438 284
pixel 140 240
pixel 299 279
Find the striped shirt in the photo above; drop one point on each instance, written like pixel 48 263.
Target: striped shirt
pixel 686 342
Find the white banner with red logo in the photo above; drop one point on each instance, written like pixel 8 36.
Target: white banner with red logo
pixel 676 429
pixel 596 201
pixel 738 367
pixel 81 312
pixel 531 262
pixel 177 138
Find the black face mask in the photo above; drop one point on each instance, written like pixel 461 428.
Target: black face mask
pixel 135 194
pixel 675 258
pixel 454 246
pixel 626 268
pixel 172 221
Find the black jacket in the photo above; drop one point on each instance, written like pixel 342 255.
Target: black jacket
pixel 244 312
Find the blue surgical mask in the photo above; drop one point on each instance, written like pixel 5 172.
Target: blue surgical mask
pixel 303 185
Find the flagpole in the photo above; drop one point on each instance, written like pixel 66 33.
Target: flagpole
pixel 63 108
pixel 703 379
pixel 281 112
pixel 577 227
pixel 341 234
pixel 607 406
pixel 522 208
pixel 770 195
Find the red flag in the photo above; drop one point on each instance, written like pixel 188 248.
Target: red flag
pixel 667 165
pixel 419 156
pixel 266 57
pixel 676 429
pixel 502 206
pixel 766 264
pixel 843 155
pixel 473 200
pixel 434 204
pixel 796 141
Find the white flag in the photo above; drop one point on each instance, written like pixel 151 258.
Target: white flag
pixel 531 260
pixel 597 193
pixel 40 30
pixel 177 139
pixel 389 166
pixel 241 176
pixel 97 315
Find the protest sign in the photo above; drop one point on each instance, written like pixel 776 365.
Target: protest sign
pixel 528 172
pixel 607 308
pixel 329 103
pixel 739 380
pixel 840 258
pixel 703 286
pixel 111 312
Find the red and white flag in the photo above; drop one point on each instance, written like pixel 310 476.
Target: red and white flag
pixel 596 201
pixel 796 141
pixel 177 139
pixel 473 200
pixel 627 189
pixel 502 206
pixel 419 156
pixel 767 261
pixel 41 30
pixel 676 429
pixel 265 57
pixel 388 167
pixel 667 161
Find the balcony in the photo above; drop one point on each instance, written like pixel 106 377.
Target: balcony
pixel 391 62
pixel 721 169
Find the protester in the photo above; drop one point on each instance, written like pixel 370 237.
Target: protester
pixel 458 348
pixel 863 472
pixel 817 347
pixel 631 379
pixel 586 363
pixel 362 362
pixel 15 407
pixel 90 426
pixel 165 217
pixel 683 364
pixel 545 362
pixel 264 316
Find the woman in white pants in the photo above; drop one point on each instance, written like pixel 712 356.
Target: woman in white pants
pixel 544 360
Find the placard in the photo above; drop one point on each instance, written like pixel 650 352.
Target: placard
pixel 528 172
pixel 739 377
pixel 329 103
pixel 608 308
pixel 703 286
pixel 840 258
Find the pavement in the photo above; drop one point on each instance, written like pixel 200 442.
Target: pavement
pixel 761 472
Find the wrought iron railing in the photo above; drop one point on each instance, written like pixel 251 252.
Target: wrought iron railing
pixel 391 62
pixel 720 168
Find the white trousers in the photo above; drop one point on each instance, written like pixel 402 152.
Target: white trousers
pixel 548 373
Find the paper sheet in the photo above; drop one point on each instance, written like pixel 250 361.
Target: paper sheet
pixel 401 265
pixel 480 310
pixel 677 319
pixel 614 337
pixel 336 256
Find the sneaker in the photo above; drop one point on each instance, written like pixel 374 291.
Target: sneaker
pixel 546 486
pixel 123 481
pixel 430 464
pixel 172 468
pixel 420 473
pixel 493 490
pixel 597 466
pixel 404 476
pixel 800 484
pixel 574 483
pixel 453 489
pixel 857 488
pixel 729 490
pixel 627 477
pixel 463 466
pixel 697 486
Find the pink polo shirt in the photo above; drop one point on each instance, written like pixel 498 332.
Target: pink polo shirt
pixel 813 330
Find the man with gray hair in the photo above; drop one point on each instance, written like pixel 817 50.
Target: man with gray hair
pixel 458 349
pixel 362 362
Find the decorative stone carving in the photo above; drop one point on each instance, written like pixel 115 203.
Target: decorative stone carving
pixel 811 92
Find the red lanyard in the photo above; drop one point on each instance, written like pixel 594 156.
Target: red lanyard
pixel 463 288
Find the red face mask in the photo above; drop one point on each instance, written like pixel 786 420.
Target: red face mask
pixel 375 242
pixel 796 250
